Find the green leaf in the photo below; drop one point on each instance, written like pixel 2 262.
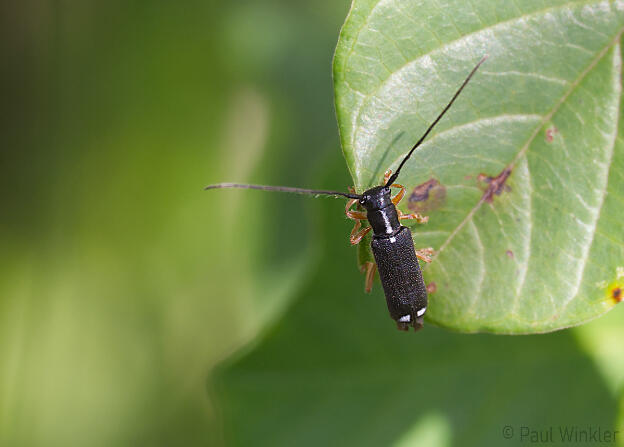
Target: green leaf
pixel 541 250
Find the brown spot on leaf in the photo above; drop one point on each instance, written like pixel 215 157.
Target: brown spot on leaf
pixel 432 287
pixel 617 294
pixel 427 196
pixel 510 254
pixel 421 192
pixel 495 185
pixel 550 134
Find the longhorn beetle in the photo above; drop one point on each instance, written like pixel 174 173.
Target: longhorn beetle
pixel 392 244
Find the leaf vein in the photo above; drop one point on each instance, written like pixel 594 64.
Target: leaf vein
pixel 525 147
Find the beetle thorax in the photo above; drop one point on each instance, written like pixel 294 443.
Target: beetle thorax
pixel 380 211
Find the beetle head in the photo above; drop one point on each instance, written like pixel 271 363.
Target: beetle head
pixel 376 198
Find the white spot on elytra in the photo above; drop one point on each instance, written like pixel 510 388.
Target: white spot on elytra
pixel 421 312
pixel 405 319
pixel 392 240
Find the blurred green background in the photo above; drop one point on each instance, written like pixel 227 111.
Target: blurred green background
pixel 123 284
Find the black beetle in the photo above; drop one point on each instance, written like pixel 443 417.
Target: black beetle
pixel 392 244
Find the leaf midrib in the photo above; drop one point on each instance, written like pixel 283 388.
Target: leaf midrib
pixel 535 132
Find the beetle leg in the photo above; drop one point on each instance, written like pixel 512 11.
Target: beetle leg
pixel 418 217
pixel 424 254
pixel 396 199
pixel 356 236
pixel 356 215
pixel 351 202
pixel 369 269
pixel 387 175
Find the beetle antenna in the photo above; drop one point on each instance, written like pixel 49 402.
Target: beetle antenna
pixel 312 192
pixel 394 176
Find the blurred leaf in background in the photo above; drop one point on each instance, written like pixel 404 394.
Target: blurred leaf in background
pixel 121 281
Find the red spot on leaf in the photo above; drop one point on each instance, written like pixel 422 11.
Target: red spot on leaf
pixel 432 287
pixel 550 134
